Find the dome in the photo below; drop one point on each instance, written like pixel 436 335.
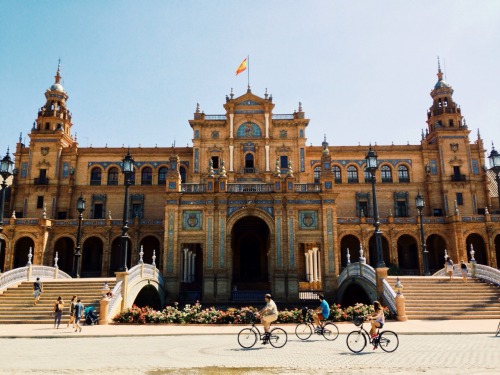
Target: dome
pixel 57 87
pixel 441 84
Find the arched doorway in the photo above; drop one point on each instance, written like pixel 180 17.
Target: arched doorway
pixel 114 263
pixel 150 243
pixel 65 251
pixel 386 253
pixel 92 250
pixel 435 247
pixel 21 251
pixel 250 246
pixel 497 249
pixel 148 296
pixel 3 251
pixel 352 243
pixel 353 294
pixel 479 246
pixel 408 255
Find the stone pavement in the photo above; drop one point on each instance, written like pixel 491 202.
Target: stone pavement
pixel 411 327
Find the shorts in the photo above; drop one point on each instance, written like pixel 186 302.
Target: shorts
pixel 37 293
pixel 381 324
pixel 320 316
pixel 269 318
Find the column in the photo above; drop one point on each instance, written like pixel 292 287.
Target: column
pixel 311 265
pixel 231 122
pixel 184 268
pixel 188 270
pixel 306 255
pixel 319 265
pixel 231 152
pixel 267 158
pixel 193 258
pixel 315 263
pixel 266 116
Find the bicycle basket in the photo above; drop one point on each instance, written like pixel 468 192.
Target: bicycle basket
pixel 358 320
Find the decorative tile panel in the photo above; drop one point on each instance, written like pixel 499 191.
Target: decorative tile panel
pixel 191 220
pixel 308 219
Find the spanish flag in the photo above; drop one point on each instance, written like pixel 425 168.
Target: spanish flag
pixel 242 67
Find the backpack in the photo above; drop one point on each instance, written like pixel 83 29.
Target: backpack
pixel 57 307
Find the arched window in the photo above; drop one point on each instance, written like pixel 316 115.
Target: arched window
pixel 162 175
pixel 95 176
pixel 337 174
pixel 249 165
pixel 132 178
pixel 352 175
pixel 317 174
pixel 182 171
pixel 113 176
pixel 403 174
pixel 146 176
pixel 386 173
pixel 368 176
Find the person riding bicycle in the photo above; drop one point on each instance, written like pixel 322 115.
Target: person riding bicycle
pixel 268 314
pixel 377 318
pixel 322 312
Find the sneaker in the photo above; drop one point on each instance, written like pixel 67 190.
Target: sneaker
pixel 317 330
pixel 375 347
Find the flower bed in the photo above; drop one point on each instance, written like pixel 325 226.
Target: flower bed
pixel 195 314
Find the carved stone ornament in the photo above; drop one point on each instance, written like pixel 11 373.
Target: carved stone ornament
pixel 454 147
pixel 44 151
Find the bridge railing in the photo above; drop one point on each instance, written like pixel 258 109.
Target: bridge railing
pixel 30 272
pixel 480 271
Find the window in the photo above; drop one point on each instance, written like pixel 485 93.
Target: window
pixel 368 176
pixel 284 163
pixel 98 211
pixel 39 201
pixel 317 174
pixel 113 176
pixel 437 212
pixel 62 215
pixel 137 210
pixel 182 171
pixel 460 199
pixel 362 204
pixel 401 204
pixel 352 175
pixel 132 178
pixel 386 174
pixel 147 176
pixel 215 162
pixel 95 176
pixel 337 174
pixel 249 166
pixel 363 209
pixel 162 175
pixel 403 174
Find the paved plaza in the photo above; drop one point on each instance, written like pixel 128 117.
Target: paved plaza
pixel 155 350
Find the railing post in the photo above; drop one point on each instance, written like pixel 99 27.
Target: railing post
pixel 123 277
pixel 400 302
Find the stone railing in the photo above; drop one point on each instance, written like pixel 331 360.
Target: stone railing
pixel 250 188
pixel 480 271
pixel 307 188
pixel 28 273
pixel 390 296
pixel 115 301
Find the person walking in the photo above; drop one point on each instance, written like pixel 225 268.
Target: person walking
pixel 463 268
pixel 79 308
pixel 37 290
pixel 58 310
pixel 449 268
pixel 72 312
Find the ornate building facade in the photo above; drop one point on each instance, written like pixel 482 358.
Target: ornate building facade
pixel 250 206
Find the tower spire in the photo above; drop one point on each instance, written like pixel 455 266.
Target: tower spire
pixel 58 74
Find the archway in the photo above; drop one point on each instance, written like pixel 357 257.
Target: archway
pixel 250 245
pixel 353 294
pixel 352 243
pixel 3 251
pixel 114 263
pixel 435 247
pixel 477 242
pixel 150 243
pixel 497 249
pixel 386 253
pixel 148 296
pixel 21 251
pixel 92 250
pixel 65 248
pixel 408 255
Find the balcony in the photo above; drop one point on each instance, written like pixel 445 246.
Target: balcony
pixel 41 181
pixel 250 188
pixel 307 188
pixel 458 178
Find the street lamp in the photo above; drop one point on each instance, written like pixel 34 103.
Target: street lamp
pixel 419 203
pixel 80 206
pixel 127 170
pixel 371 166
pixel 6 170
pixel 494 159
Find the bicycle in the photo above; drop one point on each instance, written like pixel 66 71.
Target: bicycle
pixel 247 337
pixel 356 340
pixel 305 329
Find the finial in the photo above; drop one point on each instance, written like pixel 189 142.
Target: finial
pixel 197 108
pixel 478 134
pixel 58 74
pixel 248 89
pixel 30 255
pixel 222 169
pixel 232 94
pixel 439 65
pixel 440 73
pixel 76 136
pixel 56 258
pixel 141 254
pixel 421 135
pixel 348 257
pixel 300 106
pixel 154 257
pixel 265 94
pixel 290 170
pixel 34 125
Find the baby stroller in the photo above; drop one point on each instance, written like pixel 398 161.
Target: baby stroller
pixel 91 317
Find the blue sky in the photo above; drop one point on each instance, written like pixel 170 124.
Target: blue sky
pixel 135 70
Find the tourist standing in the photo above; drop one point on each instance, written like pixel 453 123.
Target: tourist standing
pixel 58 310
pixel 37 290
pixel 79 308
pixel 72 312
pixel 449 268
pixel 463 268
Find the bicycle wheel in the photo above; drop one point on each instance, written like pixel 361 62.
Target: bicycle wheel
pixel 388 341
pixel 303 331
pixel 498 330
pixel 330 331
pixel 356 341
pixel 278 338
pixel 247 338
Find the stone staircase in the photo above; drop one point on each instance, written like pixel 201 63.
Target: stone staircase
pixel 16 303
pixel 436 297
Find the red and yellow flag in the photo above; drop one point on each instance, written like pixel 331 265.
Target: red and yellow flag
pixel 242 67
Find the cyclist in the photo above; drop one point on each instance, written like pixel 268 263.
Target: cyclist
pixel 268 315
pixel 322 312
pixel 377 319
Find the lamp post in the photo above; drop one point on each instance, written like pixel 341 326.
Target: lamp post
pixel 6 170
pixel 494 159
pixel 127 170
pixel 371 166
pixel 80 206
pixel 419 203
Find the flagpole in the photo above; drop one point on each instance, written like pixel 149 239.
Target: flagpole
pixel 248 71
